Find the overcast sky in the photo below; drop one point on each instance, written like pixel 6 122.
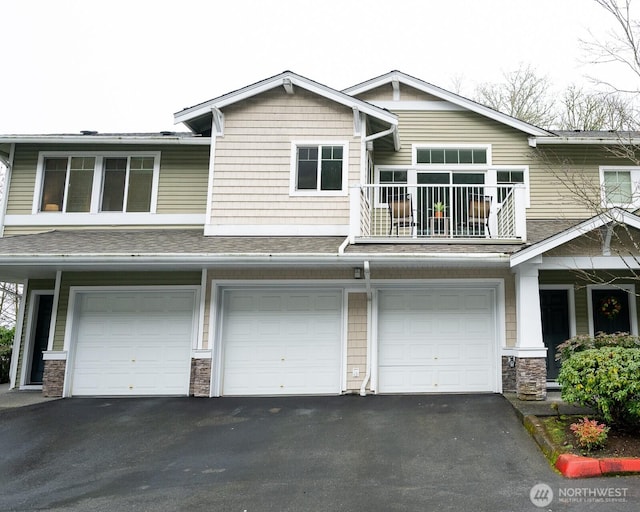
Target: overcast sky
pixel 128 65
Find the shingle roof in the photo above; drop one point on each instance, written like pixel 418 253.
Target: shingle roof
pixel 193 242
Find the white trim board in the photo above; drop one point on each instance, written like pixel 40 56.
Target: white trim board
pixel 105 219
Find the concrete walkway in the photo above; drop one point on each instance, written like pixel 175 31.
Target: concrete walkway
pixel 545 407
pixel 10 399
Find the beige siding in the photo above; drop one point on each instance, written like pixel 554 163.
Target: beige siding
pixel 33 284
pixel 407 93
pixel 182 186
pixel 356 339
pixel 106 279
pixel 253 160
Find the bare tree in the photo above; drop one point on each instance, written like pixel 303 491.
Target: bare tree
pixel 621 45
pixel 583 110
pixel 523 94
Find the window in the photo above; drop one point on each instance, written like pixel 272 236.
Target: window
pixel 320 168
pixel 620 186
pixel 508 177
pixel 97 183
pixel 392 177
pixel 127 184
pixel 455 156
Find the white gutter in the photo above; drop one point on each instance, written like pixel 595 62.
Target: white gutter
pixel 106 139
pixel 620 141
pixel 393 130
pixel 367 280
pixel 5 191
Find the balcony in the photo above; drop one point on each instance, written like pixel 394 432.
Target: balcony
pixel 438 213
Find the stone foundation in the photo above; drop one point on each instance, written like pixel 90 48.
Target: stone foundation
pixel 200 383
pixel 53 378
pixel 508 376
pixel 531 378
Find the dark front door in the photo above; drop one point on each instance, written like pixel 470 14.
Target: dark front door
pixel 40 337
pixel 554 306
pixel 610 311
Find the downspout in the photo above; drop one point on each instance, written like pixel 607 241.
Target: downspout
pixel 367 280
pixel 393 130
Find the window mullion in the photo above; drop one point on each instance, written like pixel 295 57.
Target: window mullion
pixel 126 185
pixel 66 185
pixel 98 177
pixel 319 173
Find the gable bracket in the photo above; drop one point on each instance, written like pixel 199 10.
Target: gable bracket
pixel 395 84
pixel 288 85
pixel 218 121
pixel 357 121
pixel 606 241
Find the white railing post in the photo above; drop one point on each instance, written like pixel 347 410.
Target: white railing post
pixel 354 212
pixel 520 196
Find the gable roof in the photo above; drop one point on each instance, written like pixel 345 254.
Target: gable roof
pixel 456 99
pixel 198 117
pixel 615 214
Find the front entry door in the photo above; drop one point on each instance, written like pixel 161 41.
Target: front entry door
pixel 610 311
pixel 40 337
pixel 554 306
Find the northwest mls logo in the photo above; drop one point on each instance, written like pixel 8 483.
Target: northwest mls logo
pixel 541 495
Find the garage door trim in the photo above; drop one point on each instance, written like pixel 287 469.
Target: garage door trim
pixel 72 318
pixel 217 319
pixel 497 285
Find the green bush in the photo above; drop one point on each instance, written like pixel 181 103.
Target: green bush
pixel 6 342
pixel 606 379
pixel 585 342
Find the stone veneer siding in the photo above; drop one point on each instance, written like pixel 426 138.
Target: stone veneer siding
pixel 531 378
pixel 53 378
pixel 200 383
pixel 508 376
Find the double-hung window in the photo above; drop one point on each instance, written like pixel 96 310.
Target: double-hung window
pixel 319 169
pixel 105 182
pixel 620 186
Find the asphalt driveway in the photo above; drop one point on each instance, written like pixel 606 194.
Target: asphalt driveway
pixel 379 453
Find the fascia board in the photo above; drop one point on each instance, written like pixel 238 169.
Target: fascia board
pixel 89 139
pixel 573 233
pixel 448 96
pixel 584 141
pixel 277 81
pixel 21 260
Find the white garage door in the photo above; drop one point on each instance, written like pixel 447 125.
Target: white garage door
pixel 133 343
pixel 279 342
pixel 437 340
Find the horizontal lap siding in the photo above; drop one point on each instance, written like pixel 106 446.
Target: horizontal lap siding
pixel 182 187
pixel 253 160
pixel 107 279
pixel 558 171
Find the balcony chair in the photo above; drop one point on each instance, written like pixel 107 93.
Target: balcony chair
pixel 400 213
pixel 479 209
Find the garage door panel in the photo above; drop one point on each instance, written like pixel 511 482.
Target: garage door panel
pixel 436 340
pixel 281 342
pixel 133 343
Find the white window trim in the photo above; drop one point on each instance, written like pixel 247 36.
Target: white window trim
pixel 293 191
pixel 491 175
pixel 630 289
pixel 98 177
pixel 634 172
pixel 416 147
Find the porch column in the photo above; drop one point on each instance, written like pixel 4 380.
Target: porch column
pixel 530 353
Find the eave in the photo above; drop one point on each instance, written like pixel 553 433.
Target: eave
pixel 400 77
pixel 289 81
pixel 593 141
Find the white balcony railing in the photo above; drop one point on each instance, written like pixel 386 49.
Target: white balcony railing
pixel 437 212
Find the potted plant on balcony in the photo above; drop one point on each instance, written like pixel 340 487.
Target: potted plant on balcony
pixel 439 209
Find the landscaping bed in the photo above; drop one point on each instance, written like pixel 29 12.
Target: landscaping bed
pixel 618 444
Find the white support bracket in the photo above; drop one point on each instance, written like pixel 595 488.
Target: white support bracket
pixel 218 121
